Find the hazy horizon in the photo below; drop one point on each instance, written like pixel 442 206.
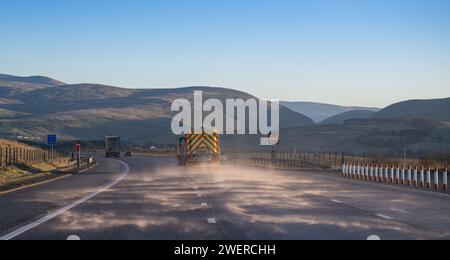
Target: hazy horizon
pixel 350 53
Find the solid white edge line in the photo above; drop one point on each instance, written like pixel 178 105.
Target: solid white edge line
pixel 58 212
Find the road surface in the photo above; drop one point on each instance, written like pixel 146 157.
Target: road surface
pixel 152 198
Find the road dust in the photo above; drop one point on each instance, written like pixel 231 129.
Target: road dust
pixel 166 201
pixel 268 196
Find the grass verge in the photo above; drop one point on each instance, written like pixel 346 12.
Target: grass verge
pixel 22 175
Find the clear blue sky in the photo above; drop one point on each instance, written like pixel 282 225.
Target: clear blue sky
pixel 356 52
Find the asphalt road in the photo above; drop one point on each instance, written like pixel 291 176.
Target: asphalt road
pixel 152 198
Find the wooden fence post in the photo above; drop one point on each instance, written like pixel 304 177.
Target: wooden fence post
pixel 8 156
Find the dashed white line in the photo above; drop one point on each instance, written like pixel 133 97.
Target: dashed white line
pixel 73 238
pixel 374 238
pixel 58 212
pixel 385 216
pixel 337 201
pixel 204 204
pixel 211 221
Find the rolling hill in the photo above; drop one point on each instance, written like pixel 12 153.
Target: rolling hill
pixel 12 85
pixel 434 109
pixel 33 107
pixel 372 136
pixel 92 111
pixel 319 112
pixel 354 114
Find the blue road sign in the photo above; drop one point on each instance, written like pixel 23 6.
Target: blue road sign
pixel 51 140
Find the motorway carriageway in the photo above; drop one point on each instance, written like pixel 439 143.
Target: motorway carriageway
pixel 154 199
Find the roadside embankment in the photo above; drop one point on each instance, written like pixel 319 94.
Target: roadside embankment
pixel 22 175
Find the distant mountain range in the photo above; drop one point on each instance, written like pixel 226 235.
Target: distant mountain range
pixel 32 107
pixel 320 112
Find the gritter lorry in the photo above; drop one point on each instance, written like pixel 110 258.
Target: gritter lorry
pixel 199 148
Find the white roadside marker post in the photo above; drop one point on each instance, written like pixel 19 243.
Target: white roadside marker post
pixel 403 175
pixel 436 179
pixel 392 174
pixel 410 176
pixel 363 172
pixel 387 174
pixel 371 172
pixel 397 175
pixel 380 173
pixel 445 185
pixel 422 177
pixel 429 178
pixel 367 172
pixel 415 177
pixel 376 173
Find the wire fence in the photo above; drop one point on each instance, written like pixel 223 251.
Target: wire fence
pixel 295 158
pixel 405 172
pixel 290 159
pixel 17 155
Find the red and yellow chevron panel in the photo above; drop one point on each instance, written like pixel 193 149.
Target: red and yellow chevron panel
pixel 210 142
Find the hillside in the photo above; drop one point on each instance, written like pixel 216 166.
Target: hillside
pixel 12 85
pixel 341 118
pixel 374 136
pixel 364 136
pixel 92 111
pixel 434 109
pixel 319 112
pixel 143 116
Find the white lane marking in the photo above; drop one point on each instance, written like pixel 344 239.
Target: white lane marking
pixel 211 221
pixel 204 204
pixel 373 238
pixel 400 210
pixel 89 168
pixel 384 216
pixel 73 238
pixel 337 201
pixel 58 212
